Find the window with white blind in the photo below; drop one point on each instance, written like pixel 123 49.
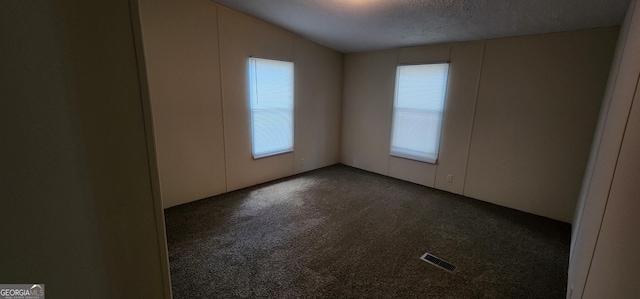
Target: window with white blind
pixel 271 103
pixel 417 111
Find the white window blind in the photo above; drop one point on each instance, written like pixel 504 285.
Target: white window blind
pixel 271 102
pixel 417 111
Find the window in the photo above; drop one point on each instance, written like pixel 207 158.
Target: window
pixel 271 102
pixel 417 111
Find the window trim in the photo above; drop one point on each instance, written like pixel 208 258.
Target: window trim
pixel 251 110
pixel 407 154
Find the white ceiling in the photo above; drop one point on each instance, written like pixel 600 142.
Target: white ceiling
pixel 364 25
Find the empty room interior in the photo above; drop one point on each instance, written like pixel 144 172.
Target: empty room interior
pixel 322 148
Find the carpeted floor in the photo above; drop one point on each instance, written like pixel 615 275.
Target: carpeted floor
pixel 344 232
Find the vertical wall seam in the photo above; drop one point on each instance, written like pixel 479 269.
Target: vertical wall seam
pixel 473 117
pixel 295 104
pixel 224 134
pixel 393 99
pixel 342 155
pixel 435 171
pixel 341 124
pixel 610 184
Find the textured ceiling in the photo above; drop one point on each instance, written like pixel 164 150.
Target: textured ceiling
pixel 364 25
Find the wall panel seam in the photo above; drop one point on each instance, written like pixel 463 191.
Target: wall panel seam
pixel 224 138
pixel 473 117
pixel 393 99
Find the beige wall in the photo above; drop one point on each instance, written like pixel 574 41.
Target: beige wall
pixel 318 77
pixel 519 117
pixel 240 38
pixel 181 47
pixel 464 77
pixel 536 113
pixel 604 261
pixel 366 118
pixel 197 55
pixel 77 188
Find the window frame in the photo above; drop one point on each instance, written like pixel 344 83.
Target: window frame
pixel 290 148
pixel 417 156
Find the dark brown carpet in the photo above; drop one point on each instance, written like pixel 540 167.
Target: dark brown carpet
pixel 344 232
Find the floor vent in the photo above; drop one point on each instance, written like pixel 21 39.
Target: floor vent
pixel 436 261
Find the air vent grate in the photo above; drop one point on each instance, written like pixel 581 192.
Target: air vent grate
pixel 436 261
